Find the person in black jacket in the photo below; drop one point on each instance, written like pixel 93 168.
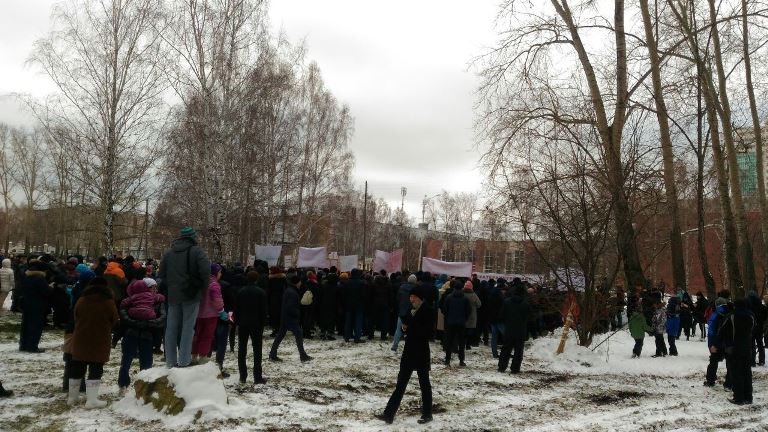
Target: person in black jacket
pixel 456 309
pixel 416 357
pixel 275 289
pixel 34 306
pixel 328 306
pixel 353 293
pixel 493 309
pixel 381 303
pixel 515 313
pixel 250 316
pixel 736 337
pixel 403 308
pixel 759 312
pixel 290 319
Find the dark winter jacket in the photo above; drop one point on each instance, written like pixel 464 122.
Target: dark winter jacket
pixel 291 311
pixel 494 305
pixel 143 329
pixel 276 285
pixel 35 288
pixel 328 303
pixel 714 323
pixel 381 293
pixel 184 271
pixel 250 308
pixel 416 354
pixel 759 311
pixel 354 292
pixel 456 308
pixel 735 333
pixel 515 313
pixel 403 299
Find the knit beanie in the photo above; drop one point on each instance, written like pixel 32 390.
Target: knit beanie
pixel 412 279
pixel 188 232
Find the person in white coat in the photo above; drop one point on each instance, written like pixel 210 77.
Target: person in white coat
pixel 7 283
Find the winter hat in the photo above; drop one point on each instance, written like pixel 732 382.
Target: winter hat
pixel 468 285
pixel 311 276
pixel 86 276
pixel 150 282
pixel 418 292
pixel 274 270
pixel 113 268
pixel 215 269
pixel 188 232
pixel 37 265
pixel 73 261
pixel 412 279
pixel 137 287
pixel 81 268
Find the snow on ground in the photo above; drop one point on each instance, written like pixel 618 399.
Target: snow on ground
pixel 346 384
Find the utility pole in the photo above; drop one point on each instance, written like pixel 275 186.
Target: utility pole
pixel 403 191
pixel 365 220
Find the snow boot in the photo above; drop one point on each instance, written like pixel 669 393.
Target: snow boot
pixel 73 392
pixel 92 393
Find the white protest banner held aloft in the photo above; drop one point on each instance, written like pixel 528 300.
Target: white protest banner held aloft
pixel 312 257
pixel 391 262
pixel 270 254
pixel 436 267
pixel 347 263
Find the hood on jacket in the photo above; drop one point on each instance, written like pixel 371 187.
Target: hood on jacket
pixel 183 243
pixel 114 268
pixel 6 263
pixel 98 286
pixel 137 287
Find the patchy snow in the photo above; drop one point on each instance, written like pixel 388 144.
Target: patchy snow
pixel 346 384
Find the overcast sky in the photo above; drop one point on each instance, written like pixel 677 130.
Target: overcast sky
pixel 401 66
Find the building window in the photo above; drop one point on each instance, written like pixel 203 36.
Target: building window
pixel 519 261
pixel 508 262
pixel 471 256
pixel 442 254
pixel 488 264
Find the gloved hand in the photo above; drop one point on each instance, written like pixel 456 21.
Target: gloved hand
pixel 223 315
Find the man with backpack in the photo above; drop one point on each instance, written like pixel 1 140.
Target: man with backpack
pixel 716 350
pixel 184 273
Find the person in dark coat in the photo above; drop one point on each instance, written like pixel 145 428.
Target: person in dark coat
pixel 699 314
pixel 308 310
pixel 673 323
pixel 493 307
pixel 515 314
pixel 403 308
pixel 95 316
pixel 353 295
pixel 328 306
pixel 735 334
pixel 250 316
pixel 34 306
pixel 275 288
pixel 686 316
pixel 759 312
pixel 456 309
pixel 416 357
pixel 381 303
pixel 483 318
pixel 290 319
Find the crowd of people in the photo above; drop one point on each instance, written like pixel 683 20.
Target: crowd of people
pixel 190 310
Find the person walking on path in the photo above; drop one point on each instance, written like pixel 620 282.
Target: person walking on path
pixel 184 272
pixel 659 324
pixel 416 357
pixel 250 316
pixel 95 317
pixel 638 327
pixel 290 320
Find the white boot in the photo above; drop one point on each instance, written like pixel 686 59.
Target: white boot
pixel 74 391
pixel 92 393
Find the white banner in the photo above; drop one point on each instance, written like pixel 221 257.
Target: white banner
pixel 270 254
pixel 437 267
pixel 391 262
pixel 532 278
pixel 347 263
pixel 312 257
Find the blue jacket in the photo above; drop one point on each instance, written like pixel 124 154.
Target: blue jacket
pixel 713 323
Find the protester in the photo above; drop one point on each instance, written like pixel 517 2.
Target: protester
pixel 328 306
pixel 493 310
pixel 673 323
pixel 139 328
pixel 638 327
pixel 290 320
pixel 722 311
pixel 7 282
pixel 275 289
pixel 470 325
pixel 659 325
pixel 456 310
pixel 95 316
pixel 735 334
pixel 515 314
pixel 211 308
pixel 759 312
pixel 699 314
pixel 250 316
pixel 34 306
pixel 403 308
pixel 184 271
pixel 353 306
pixel 416 357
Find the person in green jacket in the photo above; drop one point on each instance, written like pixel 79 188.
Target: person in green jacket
pixel 638 326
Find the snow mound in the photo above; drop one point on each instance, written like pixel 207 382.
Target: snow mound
pixel 200 393
pixel 614 356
